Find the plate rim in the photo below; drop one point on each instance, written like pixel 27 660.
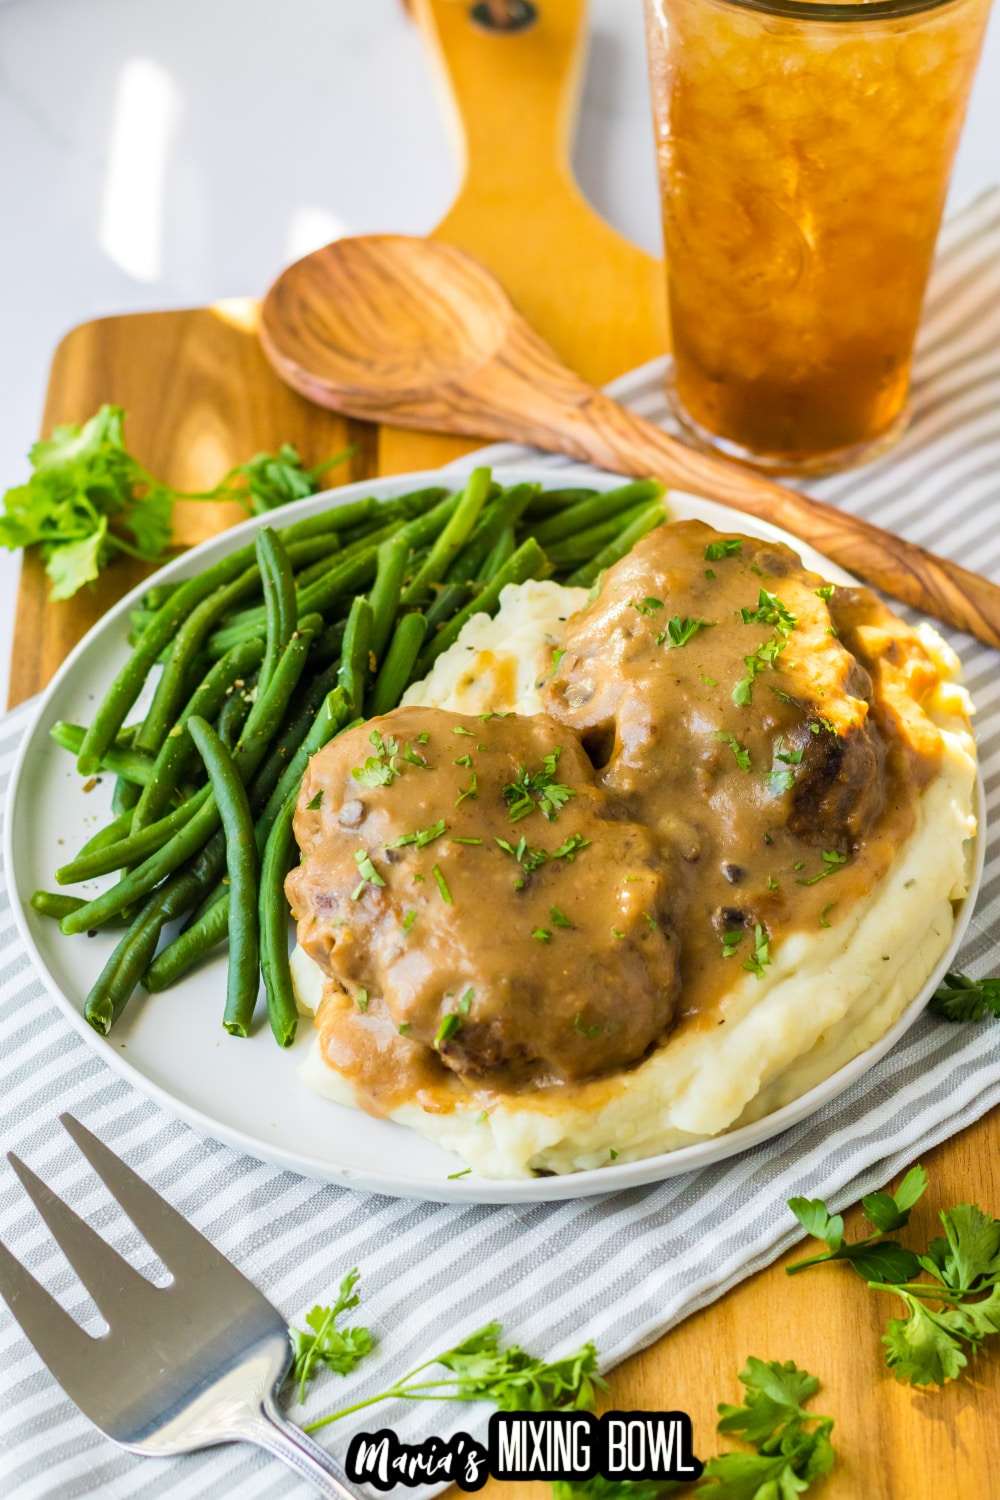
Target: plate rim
pixel 588 1183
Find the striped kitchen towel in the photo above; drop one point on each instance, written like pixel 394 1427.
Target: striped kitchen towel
pixel 619 1269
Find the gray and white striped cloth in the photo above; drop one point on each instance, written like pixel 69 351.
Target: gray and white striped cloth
pixel 618 1269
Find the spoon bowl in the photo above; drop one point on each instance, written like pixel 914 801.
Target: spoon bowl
pixel 410 331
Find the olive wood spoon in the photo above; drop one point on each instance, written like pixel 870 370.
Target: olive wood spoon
pixel 392 328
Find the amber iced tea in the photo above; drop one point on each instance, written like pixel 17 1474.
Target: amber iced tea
pixel 804 154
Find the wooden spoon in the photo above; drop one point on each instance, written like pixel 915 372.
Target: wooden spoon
pixel 405 330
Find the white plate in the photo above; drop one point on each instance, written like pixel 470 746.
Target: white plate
pixel 248 1093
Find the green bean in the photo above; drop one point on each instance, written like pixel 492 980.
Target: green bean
pixel 529 561
pixel 235 711
pixel 177 749
pixel 114 985
pixel 243 979
pixel 55 904
pixel 211 922
pixel 186 646
pixel 355 662
pixel 159 632
pixel 135 846
pixel 138 619
pixel 117 829
pixel 392 680
pixel 503 511
pixel 125 795
pixel 386 591
pixel 327 646
pixel 282 1012
pixel 597 508
pixel 451 597
pixel 131 764
pixel 280 604
pixel 263 723
pixel 345 579
pixel 502 550
pixel 550 501
pixel 450 540
pixel 584 576
pixel 157 595
pixel 586 544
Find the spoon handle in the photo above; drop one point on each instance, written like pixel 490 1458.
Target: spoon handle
pixel 588 424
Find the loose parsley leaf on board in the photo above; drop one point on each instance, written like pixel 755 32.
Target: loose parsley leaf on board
pixel 793 1444
pixel 959 998
pixel 88 498
pixel 339 1349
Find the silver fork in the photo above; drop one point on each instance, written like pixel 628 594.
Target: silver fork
pixel 183 1367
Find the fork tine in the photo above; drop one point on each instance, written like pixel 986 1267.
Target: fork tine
pixel 58 1340
pixel 179 1245
pixel 114 1285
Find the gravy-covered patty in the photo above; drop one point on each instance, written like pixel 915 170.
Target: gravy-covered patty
pixel 710 681
pixel 483 902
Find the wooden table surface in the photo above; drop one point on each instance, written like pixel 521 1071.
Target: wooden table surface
pixel 201 397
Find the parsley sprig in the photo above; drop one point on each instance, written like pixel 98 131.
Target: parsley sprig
pixel 874 1258
pixel 952 1312
pixel 479 1370
pixel 792 1444
pixel 960 998
pixel 87 499
pixel 339 1349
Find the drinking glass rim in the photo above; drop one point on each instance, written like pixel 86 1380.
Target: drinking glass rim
pixel 830 11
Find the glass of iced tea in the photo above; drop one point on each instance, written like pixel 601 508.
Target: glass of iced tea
pixel 804 152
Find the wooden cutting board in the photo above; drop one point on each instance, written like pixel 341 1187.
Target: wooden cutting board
pixel 200 397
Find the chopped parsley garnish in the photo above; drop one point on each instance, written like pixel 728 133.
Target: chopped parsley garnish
pixel 772 884
pixel 369 874
pixel 379 769
pixel 537 789
pixel 727 547
pixel 761 957
pixel 831 863
pixel 680 631
pixel 770 611
pixel 422 837
pixel 557 656
pixel 765 656
pixel 404 1029
pixel 651 921
pixel 731 941
pixel 415 758
pixel 460 729
pixel 542 934
pixel 709 573
pixel 472 790
pixel 466 841
pixel 739 751
pixel 616 932
pixel 790 757
pixel 588 1031
pixel 362 999
pixel 647 606
pixel 450 1023
pixel 612 1153
pixel 314 802
pixel 559 918
pixel 409 919
pixel 779 782
pixel 442 885
pixel 823 914
pixel 453 1176
pixel 825 592
pixel 826 724
pixel 709 681
pixel 465 1002
pixel 571 848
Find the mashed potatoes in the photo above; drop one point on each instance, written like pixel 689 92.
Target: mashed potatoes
pixel 825 998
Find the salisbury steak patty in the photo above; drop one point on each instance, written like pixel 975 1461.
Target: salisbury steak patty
pixel 471 877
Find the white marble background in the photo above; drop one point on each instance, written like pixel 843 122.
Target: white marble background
pixel 164 153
